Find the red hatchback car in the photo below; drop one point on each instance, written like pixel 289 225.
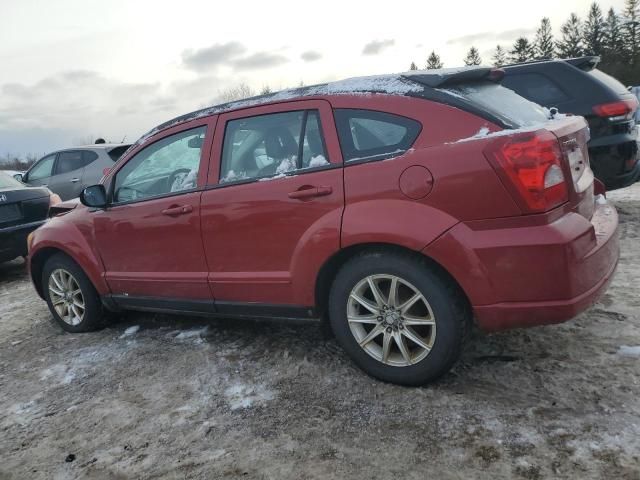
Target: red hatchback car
pixel 397 207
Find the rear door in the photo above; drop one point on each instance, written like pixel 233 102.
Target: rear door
pixel 271 215
pixel 68 171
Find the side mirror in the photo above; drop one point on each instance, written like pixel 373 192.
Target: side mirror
pixel 94 196
pixel 19 177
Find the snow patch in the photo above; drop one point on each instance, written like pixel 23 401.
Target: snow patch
pixel 131 331
pixel 287 165
pixel 193 334
pixel 601 199
pixel 232 176
pixel 245 396
pixel 318 161
pixel 629 351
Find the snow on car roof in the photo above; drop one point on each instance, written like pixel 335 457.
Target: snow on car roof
pixel 391 84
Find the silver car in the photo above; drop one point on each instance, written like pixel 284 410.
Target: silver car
pixel 67 172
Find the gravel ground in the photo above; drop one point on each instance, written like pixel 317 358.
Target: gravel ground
pixel 155 396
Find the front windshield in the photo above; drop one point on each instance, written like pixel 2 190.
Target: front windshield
pixel 7 181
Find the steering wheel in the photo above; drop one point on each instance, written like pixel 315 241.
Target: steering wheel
pixel 177 178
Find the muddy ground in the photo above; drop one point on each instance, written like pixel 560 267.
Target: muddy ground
pixel 169 397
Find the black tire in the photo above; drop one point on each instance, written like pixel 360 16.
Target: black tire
pixel 447 303
pixel 93 312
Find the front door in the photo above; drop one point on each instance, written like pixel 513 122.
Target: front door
pixel 272 213
pixel 149 237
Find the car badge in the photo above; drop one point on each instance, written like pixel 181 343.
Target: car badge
pixel 3 197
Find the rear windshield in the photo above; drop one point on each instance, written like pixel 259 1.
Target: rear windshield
pixel 608 80
pixel 7 181
pixel 116 153
pixel 501 102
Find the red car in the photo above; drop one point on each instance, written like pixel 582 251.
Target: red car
pixel 397 207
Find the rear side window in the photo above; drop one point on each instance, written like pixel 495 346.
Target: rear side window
pixel 373 135
pixel 501 102
pixel 536 87
pixel 116 153
pixel 608 80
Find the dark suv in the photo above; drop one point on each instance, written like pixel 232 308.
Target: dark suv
pixel 576 86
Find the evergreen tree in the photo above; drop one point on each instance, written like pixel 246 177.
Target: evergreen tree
pixel 522 51
pixel 571 43
pixel 499 57
pixel 473 57
pixel 632 29
pixel 434 62
pixel 413 66
pixel 593 34
pixel 544 43
pixel 613 37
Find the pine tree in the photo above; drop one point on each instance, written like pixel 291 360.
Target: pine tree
pixel 613 37
pixel 413 66
pixel 632 29
pixel 593 34
pixel 434 62
pixel 522 51
pixel 499 57
pixel 544 43
pixel 473 57
pixel 571 43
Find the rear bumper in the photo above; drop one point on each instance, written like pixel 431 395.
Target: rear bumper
pixel 13 240
pixel 615 163
pixel 527 276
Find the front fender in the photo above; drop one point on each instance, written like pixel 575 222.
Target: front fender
pixel 75 239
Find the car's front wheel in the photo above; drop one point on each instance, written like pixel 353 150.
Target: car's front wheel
pixel 398 318
pixel 70 295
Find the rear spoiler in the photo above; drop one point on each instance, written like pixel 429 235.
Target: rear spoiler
pixel 584 63
pixel 447 77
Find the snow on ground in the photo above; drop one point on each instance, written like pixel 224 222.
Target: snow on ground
pixel 191 398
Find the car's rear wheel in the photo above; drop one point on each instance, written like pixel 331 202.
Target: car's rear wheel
pixel 398 318
pixel 70 295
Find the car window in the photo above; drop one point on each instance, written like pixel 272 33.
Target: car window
pixel 69 161
pixel 536 87
pixel 368 134
pixel 42 169
pixel 609 81
pixel 117 152
pixel 269 145
pixel 166 166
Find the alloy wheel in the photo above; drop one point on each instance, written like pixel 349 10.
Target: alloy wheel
pixel 391 320
pixel 66 296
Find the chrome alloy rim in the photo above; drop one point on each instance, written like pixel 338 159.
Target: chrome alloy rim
pixel 66 296
pixel 391 320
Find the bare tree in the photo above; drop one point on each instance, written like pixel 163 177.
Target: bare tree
pixel 238 92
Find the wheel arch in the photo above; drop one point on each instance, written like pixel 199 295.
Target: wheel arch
pixel 330 268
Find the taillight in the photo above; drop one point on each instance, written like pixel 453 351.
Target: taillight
pixel 619 110
pixel 531 165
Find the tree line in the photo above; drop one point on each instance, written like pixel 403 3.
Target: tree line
pixel 614 36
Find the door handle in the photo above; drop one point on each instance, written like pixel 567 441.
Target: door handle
pixel 310 192
pixel 176 210
pixel 74 180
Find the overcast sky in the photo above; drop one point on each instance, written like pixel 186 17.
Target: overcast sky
pixel 70 69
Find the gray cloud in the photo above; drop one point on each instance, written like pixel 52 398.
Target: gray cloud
pixel 259 60
pixel 310 56
pixel 377 46
pixel 211 57
pixel 76 104
pixel 505 36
